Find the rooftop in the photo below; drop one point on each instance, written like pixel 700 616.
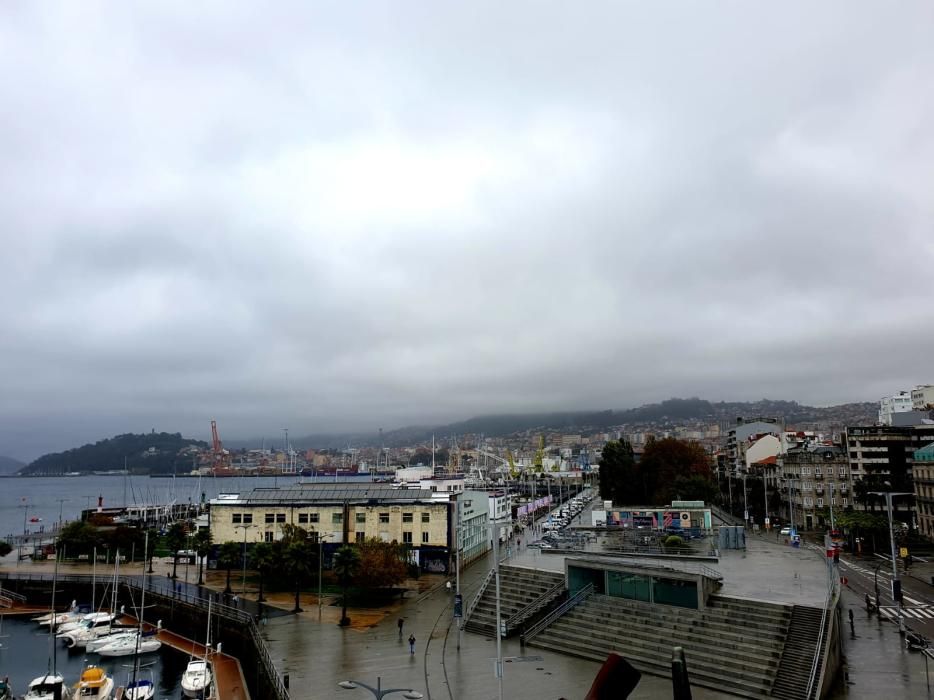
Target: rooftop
pixel 326 493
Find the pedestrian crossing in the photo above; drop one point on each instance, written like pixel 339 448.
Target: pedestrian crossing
pixel 921 612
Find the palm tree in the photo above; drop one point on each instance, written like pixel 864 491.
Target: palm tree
pixel 262 561
pixel 297 558
pixel 175 539
pixel 202 543
pixel 227 558
pixel 345 563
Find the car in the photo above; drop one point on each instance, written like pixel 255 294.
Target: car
pixel 786 530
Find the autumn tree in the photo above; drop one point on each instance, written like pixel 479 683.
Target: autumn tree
pixel 666 461
pixel 346 564
pixel 384 563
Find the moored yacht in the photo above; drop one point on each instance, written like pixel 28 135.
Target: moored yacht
pixel 48 687
pixel 95 683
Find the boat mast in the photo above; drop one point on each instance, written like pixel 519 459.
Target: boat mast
pixel 53 657
pixel 142 611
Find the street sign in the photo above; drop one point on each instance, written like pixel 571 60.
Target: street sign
pixel 458 606
pixel 903 552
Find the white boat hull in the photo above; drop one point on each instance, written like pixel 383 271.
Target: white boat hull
pixel 131 648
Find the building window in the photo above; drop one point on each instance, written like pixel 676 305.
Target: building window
pixel 845 501
pixel 820 502
pixel 360 537
pixel 267 537
pixel 406 538
pixel 424 538
pixel 247 518
pixel 426 517
pixel 383 518
pixel 270 517
pixel 280 517
pixel 337 518
pixel 406 517
pixel 313 517
pixel 360 517
pixel 842 471
pixel 303 518
pixel 235 518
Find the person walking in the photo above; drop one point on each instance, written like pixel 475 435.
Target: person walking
pixel 411 643
pixel 400 627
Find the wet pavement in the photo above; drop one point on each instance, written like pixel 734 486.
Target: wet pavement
pixel 317 654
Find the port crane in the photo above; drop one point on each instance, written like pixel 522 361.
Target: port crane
pixel 220 456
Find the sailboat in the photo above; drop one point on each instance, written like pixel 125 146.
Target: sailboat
pixel 51 686
pixel 197 678
pixel 140 688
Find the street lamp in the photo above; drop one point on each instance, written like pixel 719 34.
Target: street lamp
pixel 896 581
pixel 321 538
pixel 378 692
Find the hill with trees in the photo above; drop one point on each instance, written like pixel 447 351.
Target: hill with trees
pixel 147 453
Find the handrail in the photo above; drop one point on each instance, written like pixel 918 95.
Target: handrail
pixel 11 595
pixel 534 606
pixel 473 603
pixel 578 597
pixel 235 614
pixel 829 603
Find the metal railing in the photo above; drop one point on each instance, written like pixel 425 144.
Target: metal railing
pixel 236 615
pixel 473 603
pixel 823 637
pixel 574 600
pixel 533 607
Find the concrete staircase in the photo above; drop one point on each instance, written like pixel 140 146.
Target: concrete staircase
pixel 519 587
pixel 734 646
pixel 791 682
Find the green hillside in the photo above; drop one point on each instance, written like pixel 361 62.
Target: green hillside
pixel 148 453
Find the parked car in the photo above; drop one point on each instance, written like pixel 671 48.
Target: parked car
pixel 786 530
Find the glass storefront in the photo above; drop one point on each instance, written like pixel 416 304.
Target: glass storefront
pixel 622 584
pixel 683 594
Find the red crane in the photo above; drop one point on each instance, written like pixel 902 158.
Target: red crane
pixel 218 447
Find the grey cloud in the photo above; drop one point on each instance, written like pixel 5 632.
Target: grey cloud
pixel 358 216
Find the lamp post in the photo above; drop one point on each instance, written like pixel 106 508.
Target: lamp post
pixel 321 539
pixel 378 692
pixel 896 581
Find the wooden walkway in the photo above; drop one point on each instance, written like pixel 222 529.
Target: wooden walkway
pixel 229 683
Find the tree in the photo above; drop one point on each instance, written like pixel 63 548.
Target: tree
pixel 79 537
pixel 617 472
pixel 151 552
pixel 346 563
pixel 663 461
pixel 202 544
pixel 262 560
pixel 5 548
pixel 297 558
pixel 385 563
pixel 175 540
pixel 227 558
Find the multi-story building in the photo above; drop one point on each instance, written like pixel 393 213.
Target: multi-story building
pixel 738 438
pixel 882 459
pixel 923 472
pixel 897 403
pixel 472 525
pixel 338 513
pixel 816 478
pixel 922 397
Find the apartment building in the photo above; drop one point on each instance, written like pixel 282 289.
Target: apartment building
pixel 738 438
pixel 922 397
pixel 923 473
pixel 889 405
pixel 815 478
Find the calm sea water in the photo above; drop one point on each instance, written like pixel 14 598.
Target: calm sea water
pixel 24 655
pixel 47 497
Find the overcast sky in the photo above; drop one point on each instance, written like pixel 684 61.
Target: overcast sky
pixel 330 216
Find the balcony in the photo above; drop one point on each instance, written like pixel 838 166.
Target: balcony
pixel 818 475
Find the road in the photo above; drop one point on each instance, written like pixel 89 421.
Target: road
pixel 918 598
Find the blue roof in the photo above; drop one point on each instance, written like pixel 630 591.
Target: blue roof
pixel 925 454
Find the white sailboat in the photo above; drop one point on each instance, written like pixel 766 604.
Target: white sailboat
pixel 140 642
pixel 197 678
pixel 140 688
pixel 51 686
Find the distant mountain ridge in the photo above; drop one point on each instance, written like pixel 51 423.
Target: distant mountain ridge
pixel 666 412
pixel 8 465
